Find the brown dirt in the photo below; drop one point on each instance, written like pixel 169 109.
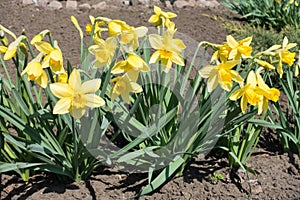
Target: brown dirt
pixel 277 176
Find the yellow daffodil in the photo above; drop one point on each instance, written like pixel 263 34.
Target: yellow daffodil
pixel 39 37
pixel 221 74
pixel 104 51
pixel 116 27
pixel 248 93
pixel 239 48
pixel 36 73
pixel 132 65
pixel 222 53
pixel 132 35
pixel 168 50
pixel 75 97
pixel 124 86
pixel 296 4
pixel 161 18
pixel 53 56
pixel 291 1
pixel 98 28
pixel 267 93
pixel 13 47
pixel 284 55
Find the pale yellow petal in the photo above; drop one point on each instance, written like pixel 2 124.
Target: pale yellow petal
pixel 155 57
pixel 44 47
pixel 141 31
pixel 155 41
pixel 93 101
pixel 231 42
pixel 75 80
pixel 90 86
pixel 61 90
pixel 77 113
pixel 251 79
pixel 243 104
pixel 206 71
pixel 212 81
pixel 62 106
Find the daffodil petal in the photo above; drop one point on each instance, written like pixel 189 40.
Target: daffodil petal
pixel 75 80
pixel 77 113
pixel 93 101
pixel 62 106
pixel 90 86
pixel 61 90
pixel 155 41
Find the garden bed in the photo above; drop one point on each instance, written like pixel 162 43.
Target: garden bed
pixel 277 176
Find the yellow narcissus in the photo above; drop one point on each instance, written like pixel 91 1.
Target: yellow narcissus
pixel 13 47
pixel 124 86
pixel 104 51
pixel 53 56
pixel 116 27
pixel 284 55
pixel 168 50
pixel 267 93
pixel 35 72
pixel 248 93
pixel 132 35
pixel 133 64
pixel 239 48
pixel 161 18
pixel 75 97
pixel 221 74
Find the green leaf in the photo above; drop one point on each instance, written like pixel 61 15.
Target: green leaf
pixel 163 176
pixel 6 167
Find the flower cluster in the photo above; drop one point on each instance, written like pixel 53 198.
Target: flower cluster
pixel 229 57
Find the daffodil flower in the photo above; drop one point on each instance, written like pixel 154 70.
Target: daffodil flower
pixel 61 77
pixel 124 86
pixel 284 55
pixel 35 72
pixel 222 53
pixel 97 30
pixel 168 50
pixel 267 93
pixel 104 51
pixel 39 37
pixel 132 35
pixel 133 64
pixel 239 48
pixel 161 18
pixel 116 27
pixel 221 74
pixel 53 56
pixel 248 93
pixel 13 47
pixel 75 97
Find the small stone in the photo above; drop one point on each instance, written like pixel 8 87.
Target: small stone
pixel 181 4
pixel 55 5
pixel 212 3
pixel 134 2
pixel 27 2
pixel 84 7
pixel 101 5
pixel 71 5
pixel 192 3
pixel 169 5
pixel 43 3
pixel 257 189
pixel 126 2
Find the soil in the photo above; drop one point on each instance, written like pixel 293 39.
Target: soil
pixel 277 173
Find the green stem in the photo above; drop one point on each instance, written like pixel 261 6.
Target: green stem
pixel 75 157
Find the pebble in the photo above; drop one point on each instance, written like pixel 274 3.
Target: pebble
pixel 56 5
pixel 27 2
pixel 101 5
pixel 84 7
pixel 71 5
